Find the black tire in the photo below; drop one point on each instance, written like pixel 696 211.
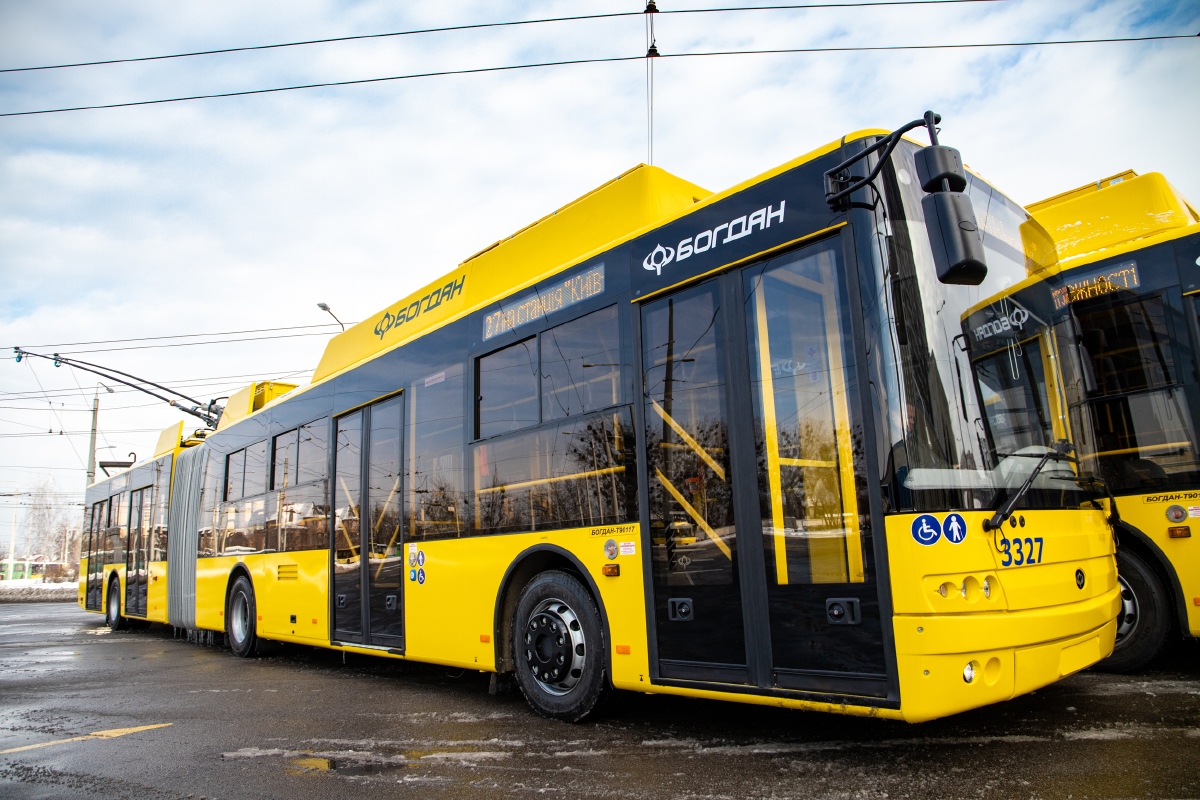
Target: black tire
pixel 1145 620
pixel 558 647
pixel 241 619
pixel 112 607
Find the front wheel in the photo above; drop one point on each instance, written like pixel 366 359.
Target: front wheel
pixel 558 647
pixel 112 615
pixel 241 618
pixel 1144 622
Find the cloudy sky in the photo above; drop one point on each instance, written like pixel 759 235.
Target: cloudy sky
pixel 243 213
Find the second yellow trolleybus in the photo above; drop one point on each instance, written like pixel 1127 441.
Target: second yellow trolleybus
pixel 720 445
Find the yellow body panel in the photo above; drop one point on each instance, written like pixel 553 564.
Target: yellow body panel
pixel 287 584
pixel 1147 513
pixel 1033 625
pixel 156 592
pixel 1091 223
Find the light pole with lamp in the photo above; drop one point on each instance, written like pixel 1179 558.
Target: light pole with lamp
pixel 91 469
pixel 325 307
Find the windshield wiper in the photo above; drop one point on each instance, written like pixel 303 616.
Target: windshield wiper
pixel 1059 452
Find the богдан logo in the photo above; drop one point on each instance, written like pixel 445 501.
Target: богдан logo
pixel 1012 321
pixel 708 240
pixel 659 258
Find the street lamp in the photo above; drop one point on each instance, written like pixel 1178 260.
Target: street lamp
pixel 325 307
pixel 91 471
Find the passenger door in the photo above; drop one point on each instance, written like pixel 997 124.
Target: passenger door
pixel 761 572
pixel 368 568
pixel 140 513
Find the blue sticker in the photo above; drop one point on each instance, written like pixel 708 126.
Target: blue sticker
pixel 955 528
pixel 412 574
pixel 421 576
pixel 420 558
pixel 926 529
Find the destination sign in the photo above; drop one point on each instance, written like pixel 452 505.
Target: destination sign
pixel 540 303
pixel 1097 283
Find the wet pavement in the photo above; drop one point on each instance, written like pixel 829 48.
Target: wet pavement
pixel 301 724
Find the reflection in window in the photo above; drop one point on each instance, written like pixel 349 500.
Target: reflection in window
pixel 1125 347
pixel 311 457
pixel 347 489
pixel 210 488
pixel 118 521
pixel 158 525
pixel 569 475
pixel 508 389
pixel 436 482
pixel 1012 388
pixel 802 415
pixel 256 470
pixel 691 500
pixel 581 369
pixel 302 518
pixel 235 471
pixel 283 464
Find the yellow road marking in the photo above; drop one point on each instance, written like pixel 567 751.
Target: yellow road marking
pixel 109 734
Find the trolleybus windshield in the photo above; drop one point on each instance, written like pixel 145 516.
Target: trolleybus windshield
pixel 972 403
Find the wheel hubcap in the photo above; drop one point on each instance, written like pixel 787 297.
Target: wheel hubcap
pixel 1128 620
pixel 555 648
pixel 114 605
pixel 239 617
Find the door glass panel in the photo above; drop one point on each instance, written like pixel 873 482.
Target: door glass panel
pixel 140 512
pixel 803 384
pixel 385 567
pixel 694 552
pixel 347 505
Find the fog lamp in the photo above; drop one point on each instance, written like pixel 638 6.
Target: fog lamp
pixel 987 587
pixel 969 672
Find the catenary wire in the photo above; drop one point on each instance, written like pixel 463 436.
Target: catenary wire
pixel 483 25
pixel 609 60
pixel 180 336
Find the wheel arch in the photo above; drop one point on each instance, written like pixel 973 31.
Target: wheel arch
pixel 239 570
pixel 524 568
pixel 1133 539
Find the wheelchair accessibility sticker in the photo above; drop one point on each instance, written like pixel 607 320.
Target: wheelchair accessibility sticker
pixel 926 529
pixel 955 528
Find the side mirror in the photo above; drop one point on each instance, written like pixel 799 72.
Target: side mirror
pixel 954 238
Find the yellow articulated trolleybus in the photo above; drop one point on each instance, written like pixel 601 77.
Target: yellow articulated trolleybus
pixel 663 440
pixel 1124 314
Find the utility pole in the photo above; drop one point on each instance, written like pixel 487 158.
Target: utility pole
pixel 91 467
pixel 12 536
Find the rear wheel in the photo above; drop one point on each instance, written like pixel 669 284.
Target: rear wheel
pixel 558 647
pixel 113 613
pixel 241 616
pixel 1144 622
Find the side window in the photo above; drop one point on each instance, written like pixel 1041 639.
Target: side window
pixel 157 527
pixel 1126 347
pixel 256 470
pixel 311 456
pixel 235 471
pixel 508 389
pixel 283 464
pixel 581 365
pixel 436 482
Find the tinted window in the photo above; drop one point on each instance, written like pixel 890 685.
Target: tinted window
pixel 508 389
pixel 436 482
pixel 256 470
pixel 235 471
pixel 303 518
pixel 581 369
pixel 311 456
pixel 283 465
pixel 1126 347
pixel 564 476
pixel 210 487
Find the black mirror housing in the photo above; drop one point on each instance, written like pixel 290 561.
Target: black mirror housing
pixel 954 238
pixel 938 163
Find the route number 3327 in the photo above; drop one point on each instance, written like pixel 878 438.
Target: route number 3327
pixel 1018 551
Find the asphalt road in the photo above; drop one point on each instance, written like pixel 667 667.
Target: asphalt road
pixel 301 724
